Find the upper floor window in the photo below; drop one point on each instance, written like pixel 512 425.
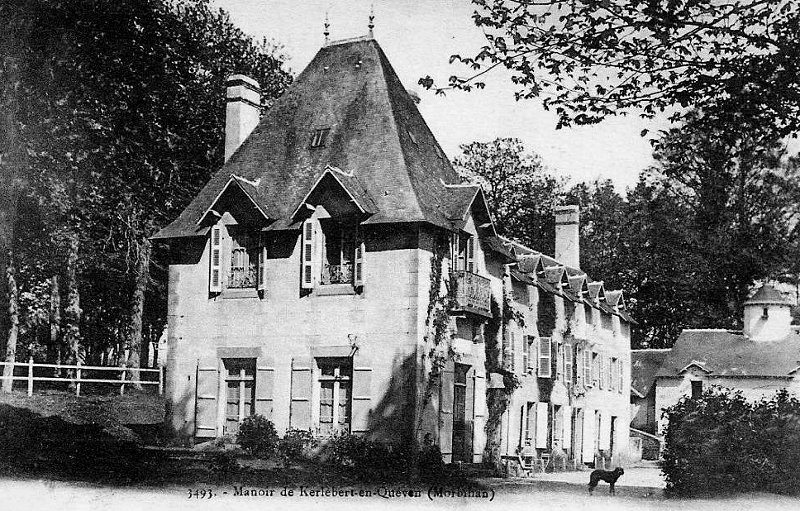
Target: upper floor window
pixel 587 312
pixel 462 253
pixel 318 137
pixel 606 321
pixel 237 260
pixel 331 253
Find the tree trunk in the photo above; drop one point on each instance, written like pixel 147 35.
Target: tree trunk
pixel 72 312
pixel 55 322
pixel 13 319
pixel 133 341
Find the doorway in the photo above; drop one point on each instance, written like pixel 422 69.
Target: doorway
pixel 460 414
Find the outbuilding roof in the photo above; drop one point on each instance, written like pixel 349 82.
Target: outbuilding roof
pixel 644 366
pixel 729 353
pixel 767 295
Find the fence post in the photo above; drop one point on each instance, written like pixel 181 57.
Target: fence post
pixel 160 380
pixel 78 379
pixel 30 376
pixel 122 386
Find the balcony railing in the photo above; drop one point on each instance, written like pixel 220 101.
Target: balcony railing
pixel 337 274
pixel 241 278
pixel 471 293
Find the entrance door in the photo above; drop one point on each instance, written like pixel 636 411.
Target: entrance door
pixel 240 379
pixel 460 413
pixel 613 433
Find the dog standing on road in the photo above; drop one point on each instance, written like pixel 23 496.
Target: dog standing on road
pixel 609 476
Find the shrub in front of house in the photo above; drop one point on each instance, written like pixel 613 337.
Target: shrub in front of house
pixel 257 436
pixel 296 445
pixel 367 459
pixel 722 443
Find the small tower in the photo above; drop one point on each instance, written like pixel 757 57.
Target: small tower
pixel 767 315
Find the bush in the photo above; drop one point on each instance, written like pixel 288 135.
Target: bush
pixel 367 459
pixel 722 443
pixel 257 436
pixel 295 445
pixel 224 462
pixel 431 465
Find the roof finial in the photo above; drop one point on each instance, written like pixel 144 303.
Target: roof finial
pixel 371 19
pixel 327 29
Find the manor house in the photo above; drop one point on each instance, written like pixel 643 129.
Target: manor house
pixel 336 275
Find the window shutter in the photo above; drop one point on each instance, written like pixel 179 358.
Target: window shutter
pixel 362 394
pixel 526 350
pixel 513 349
pixel 471 254
pixel 601 375
pixel 578 366
pixel 545 370
pixel 359 265
pixel 301 385
pixel 206 398
pixel 587 368
pixel 566 437
pixel 453 252
pixel 588 435
pixel 446 412
pixel 621 369
pixel 542 422
pixel 310 253
pixel 560 361
pixel 262 269
pixel 568 362
pixel 478 415
pixel 265 386
pixel 215 270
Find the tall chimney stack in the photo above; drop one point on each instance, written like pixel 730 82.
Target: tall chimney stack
pixel 242 111
pixel 567 235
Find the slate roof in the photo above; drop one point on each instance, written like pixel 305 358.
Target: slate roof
pixel 729 353
pixel 377 135
pixel 644 366
pixel 767 295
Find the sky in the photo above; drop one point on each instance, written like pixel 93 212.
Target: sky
pixel 418 37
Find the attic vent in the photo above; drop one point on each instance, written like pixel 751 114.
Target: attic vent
pixel 318 137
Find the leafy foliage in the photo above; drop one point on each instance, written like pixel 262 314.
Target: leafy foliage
pixel 367 459
pixel 595 58
pixel 257 436
pixel 119 114
pixel 296 444
pixel 722 443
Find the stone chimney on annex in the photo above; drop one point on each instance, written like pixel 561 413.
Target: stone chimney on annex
pixel 568 235
pixel 242 112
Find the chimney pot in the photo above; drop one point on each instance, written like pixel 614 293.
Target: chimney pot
pixel 242 111
pixel 567 235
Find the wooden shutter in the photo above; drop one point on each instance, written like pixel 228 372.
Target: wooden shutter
pixel 578 366
pixel 545 371
pixel 568 362
pixel 302 384
pixel 559 361
pixel 587 368
pixel 542 422
pixel 588 435
pixel 601 374
pixel 566 436
pixel 265 386
pixel 262 269
pixel 310 253
pixel 513 350
pixel 206 398
pixel 478 416
pixel 215 260
pixel 358 278
pixel 526 348
pixel 362 394
pixel 471 254
pixel 621 369
pixel 446 412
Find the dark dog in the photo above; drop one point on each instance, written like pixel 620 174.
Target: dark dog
pixel 609 476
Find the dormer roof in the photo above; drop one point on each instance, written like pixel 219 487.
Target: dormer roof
pixel 767 295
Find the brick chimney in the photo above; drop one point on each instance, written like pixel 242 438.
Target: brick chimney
pixel 567 235
pixel 242 111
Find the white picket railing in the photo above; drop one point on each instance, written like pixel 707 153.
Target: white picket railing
pixel 78 375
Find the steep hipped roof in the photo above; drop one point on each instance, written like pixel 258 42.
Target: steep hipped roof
pixel 644 366
pixel 377 135
pixel 726 353
pixel 767 295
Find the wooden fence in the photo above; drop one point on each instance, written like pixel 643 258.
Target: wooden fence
pixel 76 375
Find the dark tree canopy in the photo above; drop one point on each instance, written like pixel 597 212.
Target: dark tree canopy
pixel 590 59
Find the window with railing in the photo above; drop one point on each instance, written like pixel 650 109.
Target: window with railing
pixel 242 272
pixel 339 253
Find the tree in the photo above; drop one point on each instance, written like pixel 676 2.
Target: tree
pixel 520 191
pixel 120 117
pixel 594 58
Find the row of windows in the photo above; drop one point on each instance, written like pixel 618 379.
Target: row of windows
pixel 588 368
pixel 332 253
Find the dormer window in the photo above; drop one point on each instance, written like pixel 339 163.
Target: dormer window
pixel 462 253
pixel 332 253
pixel 765 313
pixel 318 137
pixel 237 261
pixel 244 259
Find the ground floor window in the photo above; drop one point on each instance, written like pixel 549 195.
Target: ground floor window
pixel 335 394
pixel 697 389
pixel 240 386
